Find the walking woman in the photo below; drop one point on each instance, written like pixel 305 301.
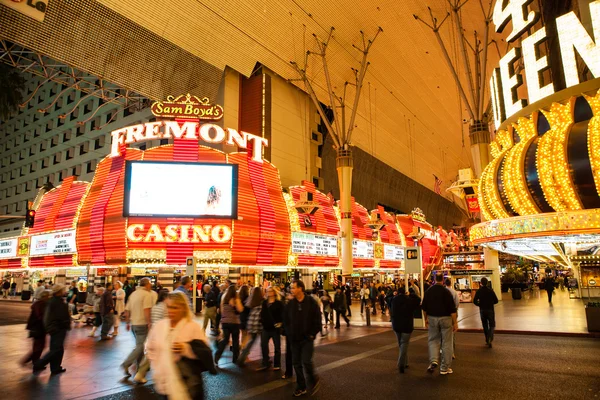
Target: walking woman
pixel 326 301
pixel 254 326
pixel 244 294
pixel 231 307
pixel 178 352
pixel 272 322
pixel 35 326
pixel 119 300
pixel 402 313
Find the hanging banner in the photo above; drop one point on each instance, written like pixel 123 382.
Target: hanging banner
pixel 53 243
pixel 107 272
pixel 8 248
pixel 473 204
pixel 23 246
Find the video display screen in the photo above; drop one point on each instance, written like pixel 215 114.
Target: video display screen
pixel 176 189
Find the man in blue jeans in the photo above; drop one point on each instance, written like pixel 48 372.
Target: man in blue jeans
pixel 440 316
pixel 137 317
pixel 303 322
pixel 485 298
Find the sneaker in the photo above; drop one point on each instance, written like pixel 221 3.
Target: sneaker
pixel 315 387
pixel 262 368
pixel 126 371
pixel 276 368
pixel 432 367
pixel 299 392
pixel 446 372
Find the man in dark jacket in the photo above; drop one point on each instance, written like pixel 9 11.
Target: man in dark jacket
pixel 549 286
pixel 303 322
pixel 35 326
pixel 57 322
pixel 340 306
pixel 348 293
pixel 402 311
pixel 485 298
pixel 107 310
pixel 210 308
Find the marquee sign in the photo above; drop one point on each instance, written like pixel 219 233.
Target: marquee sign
pixel 187 107
pixel 572 37
pixel 179 233
pixel 8 248
pixel 56 243
pixel 318 245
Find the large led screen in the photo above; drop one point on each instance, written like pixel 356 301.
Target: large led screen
pixel 175 189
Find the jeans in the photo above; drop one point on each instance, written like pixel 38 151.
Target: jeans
pixel 264 343
pixel 108 321
pixel 210 314
pixel 337 317
pixel 488 320
pixel 550 295
pixel 140 332
pixel 363 304
pixel 403 340
pixel 248 347
pixel 440 334
pixel 233 331
pixel 54 356
pixel 302 354
pixel 374 306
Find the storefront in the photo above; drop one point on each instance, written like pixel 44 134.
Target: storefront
pixel 467 282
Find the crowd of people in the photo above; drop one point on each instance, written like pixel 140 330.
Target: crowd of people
pixel 178 349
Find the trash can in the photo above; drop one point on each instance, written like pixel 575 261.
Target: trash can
pixel 26 295
pixel 516 293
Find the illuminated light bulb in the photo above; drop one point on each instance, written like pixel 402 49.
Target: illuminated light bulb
pixel 594 138
pixel 513 174
pixel 488 190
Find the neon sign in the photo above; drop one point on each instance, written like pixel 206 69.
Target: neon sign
pixel 572 37
pixel 187 107
pixel 192 130
pixel 179 233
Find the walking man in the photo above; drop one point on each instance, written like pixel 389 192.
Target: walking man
pixel 107 310
pixel 454 294
pixel 184 287
pixel 348 293
pixel 549 286
pixel 485 298
pixel 57 322
pixel 210 308
pixel 303 322
pixel 439 312
pixel 340 306
pixel 137 317
pixel 402 312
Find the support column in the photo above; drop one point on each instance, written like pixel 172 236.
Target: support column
pixel 247 275
pixel 165 278
pixel 345 164
pixel 26 280
pixel 306 277
pixel 479 137
pixel 577 275
pixel 61 276
pixel 233 275
pixel 492 263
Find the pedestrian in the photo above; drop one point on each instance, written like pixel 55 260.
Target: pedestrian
pixel 210 309
pixel 485 298
pixel 364 297
pixel 244 295
pixel 72 298
pixel 373 296
pixel 549 286
pixel 381 298
pixel 566 282
pixel 221 292
pixel 327 310
pixel 107 310
pixel 5 289
pixel 289 365
pixel 231 307
pixel 272 323
pixel 340 306
pixel 178 352
pixel 137 318
pixel 96 299
pixel 57 323
pixel 37 331
pixel 38 290
pixel 402 312
pixel 254 325
pixel 303 322
pixel 348 293
pixel 439 312
pixel 119 299
pixel 127 289
pixel 456 299
pixel 13 289
pixel 184 287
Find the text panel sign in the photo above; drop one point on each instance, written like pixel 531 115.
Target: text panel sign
pixel 318 245
pixel 53 244
pixel 8 248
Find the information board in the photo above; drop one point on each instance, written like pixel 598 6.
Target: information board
pixel 393 253
pixel 316 245
pixel 8 248
pixel 53 243
pixel 362 249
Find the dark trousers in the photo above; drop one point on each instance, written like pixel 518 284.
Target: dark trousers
pixel 264 343
pixel 373 305
pixel 36 351
pixel 488 320
pixel 349 309
pixel 550 295
pixel 337 317
pixel 302 357
pixel 289 365
pixel 55 354
pixel 363 305
pixel 326 316
pixel 233 331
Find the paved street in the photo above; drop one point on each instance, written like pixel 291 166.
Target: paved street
pixel 14 312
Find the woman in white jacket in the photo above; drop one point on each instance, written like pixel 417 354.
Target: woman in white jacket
pixel 168 342
pixel 119 299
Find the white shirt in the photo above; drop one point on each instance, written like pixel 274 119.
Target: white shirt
pixel 137 303
pixel 454 296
